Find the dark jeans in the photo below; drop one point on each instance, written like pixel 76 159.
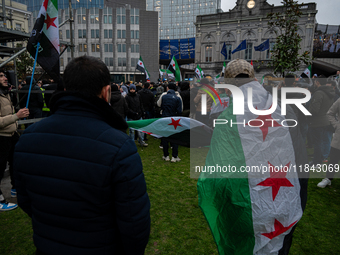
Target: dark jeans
pixel 148 115
pixel 7 145
pixel 166 148
pixel 334 157
pixel 319 143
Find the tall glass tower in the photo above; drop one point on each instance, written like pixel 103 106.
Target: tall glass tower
pixel 176 17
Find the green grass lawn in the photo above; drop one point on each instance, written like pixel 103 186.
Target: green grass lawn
pixel 177 224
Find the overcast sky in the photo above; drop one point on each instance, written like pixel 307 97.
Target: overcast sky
pixel 328 10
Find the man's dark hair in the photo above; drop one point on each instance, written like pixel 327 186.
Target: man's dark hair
pixel 87 75
pixel 146 85
pixel 289 80
pixel 2 70
pixel 114 87
pixel 172 85
pixel 322 80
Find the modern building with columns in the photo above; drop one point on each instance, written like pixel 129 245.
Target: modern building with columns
pixel 247 20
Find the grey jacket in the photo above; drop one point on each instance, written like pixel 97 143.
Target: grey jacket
pixel 321 101
pixel 333 116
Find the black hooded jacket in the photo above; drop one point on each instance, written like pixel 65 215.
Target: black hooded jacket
pixel 321 101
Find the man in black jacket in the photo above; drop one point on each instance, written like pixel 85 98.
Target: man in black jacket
pixel 147 98
pixel 79 176
pixel 36 101
pixel 135 111
pixel 171 105
pixel 319 124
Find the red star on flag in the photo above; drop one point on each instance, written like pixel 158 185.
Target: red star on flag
pixel 147 132
pixel 175 123
pixel 140 63
pixel 50 21
pixel 277 179
pixel 279 229
pixel 225 104
pixel 267 123
pixel 174 66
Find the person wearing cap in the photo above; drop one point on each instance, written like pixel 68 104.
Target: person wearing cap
pixel 135 112
pixel 252 211
pixel 171 106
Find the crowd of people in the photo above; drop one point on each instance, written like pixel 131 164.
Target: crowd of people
pixel 95 169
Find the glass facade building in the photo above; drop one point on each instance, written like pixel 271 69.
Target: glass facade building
pixel 34 5
pixel 176 17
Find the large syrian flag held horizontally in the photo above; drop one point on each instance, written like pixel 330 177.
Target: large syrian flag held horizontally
pixel 141 67
pixel 46 32
pixel 174 68
pixel 254 213
pixel 175 129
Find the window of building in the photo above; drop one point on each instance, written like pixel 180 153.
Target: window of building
pixel 61 61
pixel 123 34
pixel 93 47
pixel 271 47
pixel 137 48
pixel 134 62
pixel 119 47
pixel 137 34
pixel 249 52
pixel 132 34
pixel 109 61
pixel 107 33
pixel 132 48
pixel 107 15
pixel 208 53
pixel 18 26
pixel 81 15
pixel 60 34
pixel 124 47
pixel 81 33
pixel 228 49
pixel 119 34
pixel 97 33
pixel 94 16
pixel 121 15
pixel 134 16
pixel 92 33
pixel 108 47
pixel 67 34
pixel 121 61
pixel 82 47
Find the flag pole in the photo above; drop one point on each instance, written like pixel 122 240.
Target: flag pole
pixel 35 61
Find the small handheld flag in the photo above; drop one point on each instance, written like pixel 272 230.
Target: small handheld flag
pixel 141 67
pixel 242 46
pixel 199 72
pixel 174 68
pixel 46 32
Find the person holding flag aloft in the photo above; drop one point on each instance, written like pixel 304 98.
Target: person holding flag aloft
pixel 8 137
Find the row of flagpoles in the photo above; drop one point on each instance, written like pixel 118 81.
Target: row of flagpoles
pixel 243 45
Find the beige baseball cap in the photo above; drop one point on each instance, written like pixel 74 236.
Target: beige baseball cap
pixel 238 66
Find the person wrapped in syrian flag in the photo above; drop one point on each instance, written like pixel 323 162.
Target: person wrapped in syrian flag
pixel 46 31
pixel 248 190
